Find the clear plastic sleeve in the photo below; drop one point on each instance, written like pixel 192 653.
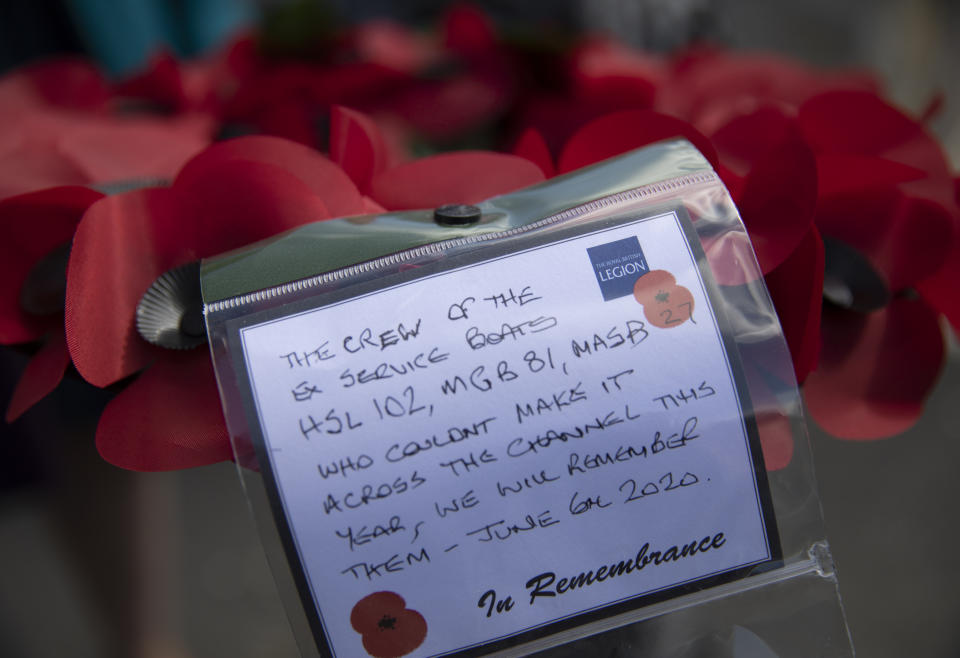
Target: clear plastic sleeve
pixel 786 604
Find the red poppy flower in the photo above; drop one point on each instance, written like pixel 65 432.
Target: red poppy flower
pixel 37 228
pixel 388 627
pixel 57 136
pixel 233 193
pixel 886 192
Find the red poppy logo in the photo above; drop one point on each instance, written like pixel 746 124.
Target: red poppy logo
pixel 389 628
pixel 665 304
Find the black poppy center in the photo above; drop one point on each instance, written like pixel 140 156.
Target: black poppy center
pixel 850 281
pixel 44 291
pixel 387 623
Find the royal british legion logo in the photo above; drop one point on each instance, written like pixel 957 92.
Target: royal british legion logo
pixel 617 266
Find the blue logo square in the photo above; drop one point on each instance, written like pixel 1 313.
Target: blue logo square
pixel 617 266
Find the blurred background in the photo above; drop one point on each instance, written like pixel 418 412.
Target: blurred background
pixel 97 561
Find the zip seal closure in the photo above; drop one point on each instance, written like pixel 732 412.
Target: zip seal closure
pixel 644 192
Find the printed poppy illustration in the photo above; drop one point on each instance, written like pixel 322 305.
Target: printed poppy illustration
pixel 665 304
pixel 389 628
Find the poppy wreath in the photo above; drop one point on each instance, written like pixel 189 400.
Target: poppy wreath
pixel 850 203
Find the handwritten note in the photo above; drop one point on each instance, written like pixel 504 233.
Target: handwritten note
pixel 495 450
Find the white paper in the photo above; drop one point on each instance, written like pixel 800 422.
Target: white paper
pixel 579 435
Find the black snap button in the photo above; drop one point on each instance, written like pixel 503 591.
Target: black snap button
pixel 456 214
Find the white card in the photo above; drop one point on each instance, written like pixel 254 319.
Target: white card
pixel 476 457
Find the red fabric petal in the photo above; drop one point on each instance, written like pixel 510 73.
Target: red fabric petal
pixel 620 132
pixel 468 31
pixel 42 374
pixel 606 74
pixel 29 162
pixel 461 177
pixel 371 207
pixel 122 244
pixel 556 118
pixel 903 221
pixel 66 82
pixel 357 145
pixel 448 108
pixel 241 202
pixel 875 369
pixel 906 239
pixel 161 82
pixel 49 148
pixel 922 240
pixel 940 289
pixel 710 87
pixel 863 123
pixel 33 225
pixel 202 85
pixel 747 138
pixel 533 147
pixel 325 178
pixel 603 57
pixel 142 148
pixel 169 418
pixel 843 173
pixel 796 287
pixel 393 46
pixel 292 120
pixel 778 200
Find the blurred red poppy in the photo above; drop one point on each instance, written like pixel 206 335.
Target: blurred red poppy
pixel 37 228
pixel 59 130
pixel 886 191
pixel 231 194
pixel 65 83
